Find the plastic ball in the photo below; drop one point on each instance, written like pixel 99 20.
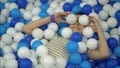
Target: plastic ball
pixel 119 30
pixel 19 26
pixel 2 30
pixel 104 25
pixel 76 36
pixel 71 18
pixel 60 62
pixel 92 2
pixel 44 27
pixel 33 54
pixel 49 34
pixel 29 7
pixel 12 6
pixel 54 5
pixel 106 35
pixel 95 36
pixel 112 42
pixel 18 36
pixel 7 39
pixel 27 15
pixel 118 60
pixel 117 51
pixel 88 32
pixel 59 9
pixel 11 63
pixel 70 1
pixel 1 6
pixel 103 2
pixel 113 31
pixel 66 32
pixel 2 62
pixel 9 56
pixel 38 66
pixel 72 47
pixel 75 58
pixel 112 12
pixel 84 57
pixel 53 26
pixel 25 62
pixel 34 18
pixel 7 49
pixel 111 63
pixel 112 22
pixel 94 14
pixel 101 64
pixel 77 2
pixel 67 6
pixel 15 13
pixel 37 33
pixel 1 52
pixel 76 9
pixel 82 47
pixel 92 43
pixel 24 52
pixel 11 31
pixel 42 51
pixel 50 11
pixel 22 44
pixel 82 4
pixel 2 19
pixel 116 5
pixel 44 41
pixel 107 7
pixel 36 11
pixel 117 15
pixel 2 44
pixel 70 65
pixel 60 31
pixel 93 64
pixel 47 61
pixel 12 1
pixel 44 1
pixel 36 44
pixel 34 61
pixel 87 9
pixel 5 12
pixel 14 46
pixel 44 7
pixel 84 64
pixel 43 14
pixel 103 15
pixel 83 20
pixel 6 25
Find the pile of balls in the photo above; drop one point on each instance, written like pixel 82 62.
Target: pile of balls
pixel 20 50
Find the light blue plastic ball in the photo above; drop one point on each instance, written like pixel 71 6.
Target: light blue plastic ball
pixel 84 64
pixel 44 7
pixel 12 1
pixel 36 44
pixel 60 31
pixel 43 14
pixel 116 51
pixel 6 25
pixel 15 13
pixel 44 1
pixel 22 44
pixel 76 9
pixel 72 47
pixel 75 58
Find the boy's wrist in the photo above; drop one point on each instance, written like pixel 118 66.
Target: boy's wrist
pixel 52 18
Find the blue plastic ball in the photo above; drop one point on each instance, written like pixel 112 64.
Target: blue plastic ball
pixel 43 14
pixel 77 2
pixel 111 63
pixel 14 22
pixel 76 36
pixel 97 8
pixel 72 47
pixel 76 9
pixel 111 3
pixel 84 57
pixel 93 64
pixel 43 27
pixel 29 37
pixel 87 9
pixel 67 7
pixel 12 1
pixel 44 1
pixel 22 44
pixel 1 6
pixel 60 31
pixel 15 13
pixel 101 64
pixel 25 63
pixel 118 24
pixel 84 64
pixel 63 25
pixel 23 20
pixel 112 42
pixel 2 30
pixel 95 36
pixel 44 7
pixel 6 25
pixel 1 52
pixel 22 3
pixel 116 51
pixel 70 65
pixel 119 60
pixel 75 58
pixel 117 15
pixel 16 55
pixel 35 44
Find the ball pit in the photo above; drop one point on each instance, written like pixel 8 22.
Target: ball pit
pixel 21 50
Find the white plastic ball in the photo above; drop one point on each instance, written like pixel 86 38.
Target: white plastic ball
pixel 47 61
pixel 53 26
pixel 14 46
pixel 107 7
pixel 104 25
pixel 61 3
pixel 12 6
pixel 50 11
pixel 103 15
pixel 2 19
pixel 88 32
pixel 112 12
pixel 9 56
pixel 38 66
pixel 9 19
pixel 92 2
pixel 83 20
pixel 54 5
pixel 114 31
pixel 24 52
pixel 2 62
pixel 118 30
pixel 34 61
pixel 27 15
pixel 33 54
pixel 36 11
pixel 30 1
pixel 66 32
pixel 112 22
pixel 94 14
pixel 11 63
pixel 82 4
pixel 42 50
pixel 71 18
pixel 37 33
pixel 34 18
pixel 82 47
pixel 22 11
pixel 58 10
pixel 3 1
pixel 37 3
pixel 106 35
pixel 92 43
pixel 116 5
pixel 103 2
pixel 85 1
pixel 7 49
pixel 5 12
pixel 19 26
pixel 44 41
pixel 6 38
pixel 84 39
pixel 11 31
pixel 49 34
pixel 60 62
pixel 29 7
pixel 7 5
pixel 18 36
pixel 57 0
pixel 71 1
pixel 2 44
